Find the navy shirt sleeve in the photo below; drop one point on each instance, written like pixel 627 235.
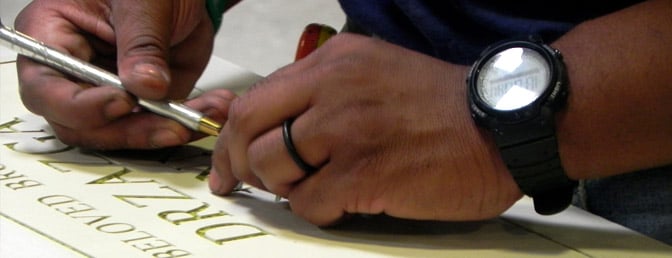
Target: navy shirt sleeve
pixel 458 30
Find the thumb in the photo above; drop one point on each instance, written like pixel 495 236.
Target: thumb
pixel 143 36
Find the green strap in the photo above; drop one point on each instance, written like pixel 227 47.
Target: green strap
pixel 216 9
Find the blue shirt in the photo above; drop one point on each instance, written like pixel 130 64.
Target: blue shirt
pixel 458 30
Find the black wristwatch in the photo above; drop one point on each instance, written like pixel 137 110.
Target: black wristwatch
pixel 514 90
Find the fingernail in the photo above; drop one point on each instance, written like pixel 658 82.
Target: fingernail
pixel 151 70
pixel 164 138
pixel 215 182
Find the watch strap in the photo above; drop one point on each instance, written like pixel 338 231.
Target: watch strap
pixel 535 164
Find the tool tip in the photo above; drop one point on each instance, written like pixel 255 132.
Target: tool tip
pixel 209 126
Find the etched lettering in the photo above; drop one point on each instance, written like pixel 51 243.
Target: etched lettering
pixel 172 253
pixel 118 178
pixel 62 166
pixel 177 196
pixel 155 244
pixel 55 200
pixel 9 125
pixel 17 185
pixel 27 142
pixel 23 184
pixel 115 228
pixel 10 175
pixel 203 175
pixel 228 232
pixel 75 208
pixel 145 236
pixel 52 200
pixel 95 218
pixel 179 217
pixel 148 242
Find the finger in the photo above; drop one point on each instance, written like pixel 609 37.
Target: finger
pixel 341 189
pixel 285 94
pixel 188 59
pixel 66 31
pixel 281 96
pixel 316 200
pixel 136 131
pixel 272 164
pixel 143 42
pixel 144 130
pixel 221 181
pixel 224 180
pixel 47 93
pixel 214 104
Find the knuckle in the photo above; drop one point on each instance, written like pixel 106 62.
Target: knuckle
pixel 146 44
pixel 220 99
pixel 238 113
pixel 259 156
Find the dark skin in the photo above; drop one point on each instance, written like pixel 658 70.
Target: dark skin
pixel 389 128
pixel 391 131
pixel 159 50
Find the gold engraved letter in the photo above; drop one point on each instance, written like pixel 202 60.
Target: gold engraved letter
pixel 23 184
pixel 26 141
pixel 75 208
pixel 9 175
pixel 155 244
pixel 52 200
pixel 8 126
pixel 229 232
pixel 179 196
pixel 179 217
pixel 172 253
pixel 118 178
pixel 116 228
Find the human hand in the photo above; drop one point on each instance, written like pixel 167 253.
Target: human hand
pixel 158 48
pixel 388 128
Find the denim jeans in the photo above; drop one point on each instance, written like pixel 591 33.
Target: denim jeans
pixel 641 201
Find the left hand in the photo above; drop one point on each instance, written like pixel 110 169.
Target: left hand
pixel 388 128
pixel 158 48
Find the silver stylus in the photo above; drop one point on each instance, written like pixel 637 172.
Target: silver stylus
pixel 38 51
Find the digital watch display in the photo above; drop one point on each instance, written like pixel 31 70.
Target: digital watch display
pixel 513 79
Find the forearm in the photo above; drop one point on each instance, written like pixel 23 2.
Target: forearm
pixel 619 114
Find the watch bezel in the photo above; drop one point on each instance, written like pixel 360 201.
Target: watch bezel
pixel 553 95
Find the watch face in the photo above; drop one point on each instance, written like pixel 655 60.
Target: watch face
pixel 513 79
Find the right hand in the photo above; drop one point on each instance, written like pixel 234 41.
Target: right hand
pixel 387 128
pixel 158 48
